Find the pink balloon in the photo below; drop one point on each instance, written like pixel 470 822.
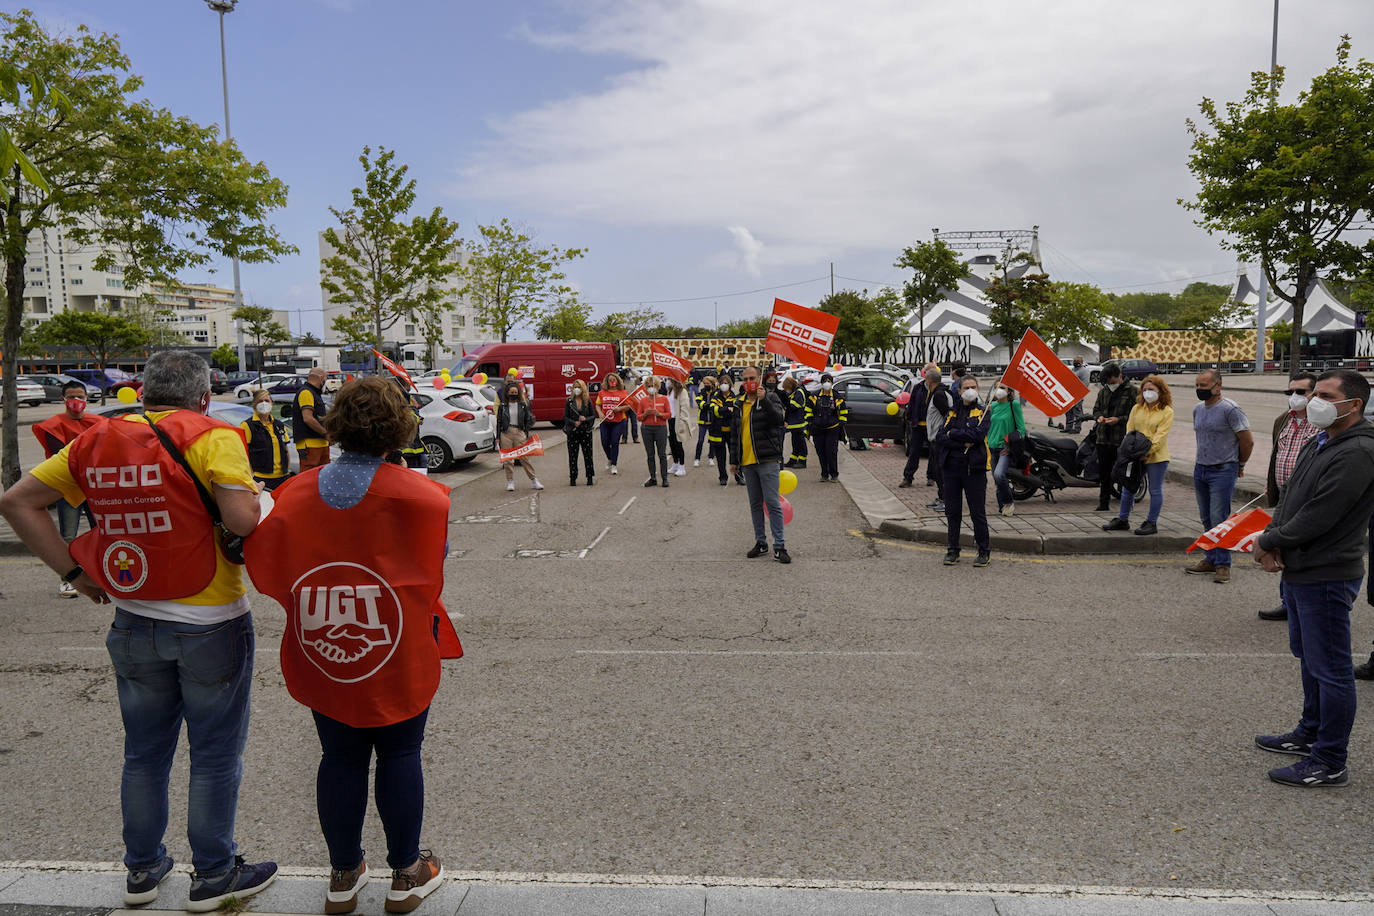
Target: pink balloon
pixel 438 381
pixel 904 398
pixel 786 510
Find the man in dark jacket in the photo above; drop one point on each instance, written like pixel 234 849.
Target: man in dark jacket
pixel 1317 539
pixel 918 434
pixel 1291 432
pixel 758 429
pixel 1111 410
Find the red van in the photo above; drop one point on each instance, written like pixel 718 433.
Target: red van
pixel 547 369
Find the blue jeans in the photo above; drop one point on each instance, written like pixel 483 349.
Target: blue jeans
pixel 69 519
pixel 610 441
pixel 702 429
pixel 999 478
pixel 1319 635
pixel 1214 485
pixel 761 480
pixel 341 788
pixel 169 672
pixel 1155 472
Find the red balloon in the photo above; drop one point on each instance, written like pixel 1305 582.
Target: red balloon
pixel 438 381
pixel 786 510
pixel 904 398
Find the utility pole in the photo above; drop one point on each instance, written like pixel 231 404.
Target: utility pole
pixel 1262 290
pixel 221 7
pixel 832 278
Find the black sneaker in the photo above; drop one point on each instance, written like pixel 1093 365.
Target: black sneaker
pixel 664 482
pixel 141 886
pixel 243 880
pixel 951 558
pixel 983 560
pixel 905 484
pixel 782 556
pixel 1117 524
pixel 757 550
pixel 1281 613
pixel 1310 774
pixel 1147 527
pixel 1291 743
pixel 1365 672
pixel 651 482
pixel 724 482
pixel 739 479
pixel 825 478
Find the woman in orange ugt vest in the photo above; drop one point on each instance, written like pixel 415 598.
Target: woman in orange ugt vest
pixel 365 631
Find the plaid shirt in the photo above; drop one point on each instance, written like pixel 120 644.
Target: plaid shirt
pixel 1291 439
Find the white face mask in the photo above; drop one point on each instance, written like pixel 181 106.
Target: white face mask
pixel 826 386
pixel 970 395
pixel 263 407
pixel 1000 394
pixel 1322 413
pixel 1150 395
pixel 1297 401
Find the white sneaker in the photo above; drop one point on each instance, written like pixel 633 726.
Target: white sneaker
pixel 66 590
pixel 614 471
pixel 696 463
pixel 510 486
pixel 711 462
pixel 536 485
pixel 1009 510
pixel 681 471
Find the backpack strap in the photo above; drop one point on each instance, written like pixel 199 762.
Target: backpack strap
pixel 205 497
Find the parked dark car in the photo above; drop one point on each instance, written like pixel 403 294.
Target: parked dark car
pixel 54 382
pixel 104 379
pixel 1138 368
pixel 867 403
pixel 219 381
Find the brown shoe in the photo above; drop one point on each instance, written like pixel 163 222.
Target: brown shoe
pixel 343 888
pixel 1223 575
pixel 1200 568
pixel 411 885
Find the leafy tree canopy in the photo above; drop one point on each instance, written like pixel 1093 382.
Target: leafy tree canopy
pixel 512 282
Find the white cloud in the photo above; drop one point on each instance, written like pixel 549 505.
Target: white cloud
pixel 824 127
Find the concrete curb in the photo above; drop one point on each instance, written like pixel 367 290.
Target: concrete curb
pixel 1044 544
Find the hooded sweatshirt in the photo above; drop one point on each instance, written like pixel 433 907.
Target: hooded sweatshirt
pixel 1322 519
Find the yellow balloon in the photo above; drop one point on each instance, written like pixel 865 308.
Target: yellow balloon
pixel 126 395
pixel 892 408
pixel 480 378
pixel 787 482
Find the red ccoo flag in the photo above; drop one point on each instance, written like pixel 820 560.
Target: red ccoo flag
pixel 1042 378
pixel 532 447
pixel 802 334
pixel 1239 532
pixel 394 368
pixel 666 362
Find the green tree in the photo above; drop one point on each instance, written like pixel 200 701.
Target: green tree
pixel 621 325
pixel 512 282
pixel 1075 312
pixel 153 318
pixel 1281 335
pixel 866 323
pixel 1017 301
pixel 98 334
pixel 382 266
pixel 308 339
pixel 1220 323
pixel 226 356
pixel 1120 335
pixel 935 268
pixel 569 321
pixel 22 87
pixel 259 324
pixel 746 327
pixel 1282 184
pixel 156 193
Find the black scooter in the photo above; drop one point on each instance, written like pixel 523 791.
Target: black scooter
pixel 1054 463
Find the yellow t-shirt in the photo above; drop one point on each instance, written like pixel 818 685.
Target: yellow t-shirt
pixel 746 435
pixel 218 457
pixel 1154 423
pixel 307 399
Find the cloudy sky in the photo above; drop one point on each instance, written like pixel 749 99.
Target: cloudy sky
pixel 714 153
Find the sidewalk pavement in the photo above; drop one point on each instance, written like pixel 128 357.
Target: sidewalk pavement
pixel 92 889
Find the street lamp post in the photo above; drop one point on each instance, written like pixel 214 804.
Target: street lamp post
pixel 222 7
pixel 1262 290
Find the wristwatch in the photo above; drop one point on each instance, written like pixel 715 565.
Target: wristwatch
pixel 72 576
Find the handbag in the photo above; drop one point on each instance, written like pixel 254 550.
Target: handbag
pixel 229 542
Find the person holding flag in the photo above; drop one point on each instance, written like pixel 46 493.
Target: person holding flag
pixel 514 420
pixel 965 462
pixel 1317 540
pixel 53 434
pixel 611 409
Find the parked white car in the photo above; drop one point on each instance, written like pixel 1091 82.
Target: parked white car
pixel 455 426
pixel 891 369
pixel 244 392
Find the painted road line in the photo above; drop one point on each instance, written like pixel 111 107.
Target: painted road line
pixel 597 540
pixel 627 505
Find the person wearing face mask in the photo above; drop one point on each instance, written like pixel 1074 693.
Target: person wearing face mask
pixel 1152 417
pixel 1224 442
pixel 267 442
pixel 722 409
pixel 826 415
pixel 759 422
pixel 704 394
pixel 53 434
pixel 612 409
pixel 793 397
pixel 965 460
pixel 1005 419
pixel 1317 539
pixel 654 416
pixel 579 416
pixel 514 420
pixel 680 426
pixel 181 642
pixel 1112 410
pixel 1291 432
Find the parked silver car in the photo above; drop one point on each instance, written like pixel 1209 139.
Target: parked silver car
pixel 54 382
pixel 454 426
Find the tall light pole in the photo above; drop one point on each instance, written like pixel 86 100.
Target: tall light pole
pixel 222 7
pixel 1262 291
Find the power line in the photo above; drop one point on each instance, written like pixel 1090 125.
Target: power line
pixel 1219 273
pixel 747 292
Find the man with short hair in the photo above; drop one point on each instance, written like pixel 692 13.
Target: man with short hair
pixel 53 434
pixel 1317 539
pixel 182 638
pixel 1291 432
pixel 307 421
pixel 1224 443
pixel 758 430
pixel 1112 411
pixel 917 434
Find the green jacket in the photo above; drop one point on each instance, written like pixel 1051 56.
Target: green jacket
pixel 1006 416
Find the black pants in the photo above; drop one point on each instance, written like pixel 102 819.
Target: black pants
pixel 915 437
pixel 961 484
pixel 1106 458
pixel 632 429
pixel 656 443
pixel 718 450
pixel 828 450
pixel 934 469
pixel 675 444
pixel 580 441
pixel 799 443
